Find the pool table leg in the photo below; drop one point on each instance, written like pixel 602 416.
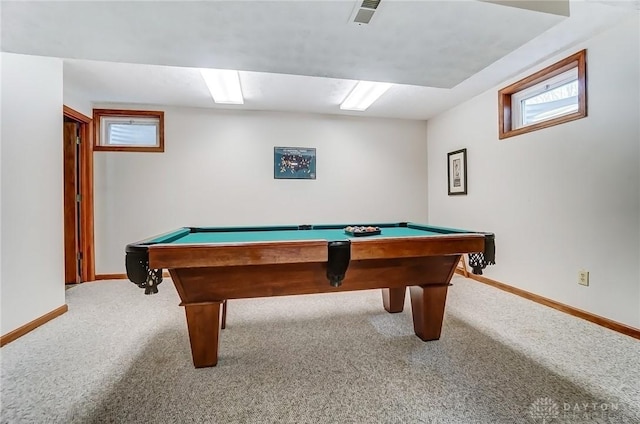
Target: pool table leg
pixel 203 321
pixel 393 299
pixel 427 304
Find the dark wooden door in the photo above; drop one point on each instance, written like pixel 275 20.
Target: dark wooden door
pixel 72 257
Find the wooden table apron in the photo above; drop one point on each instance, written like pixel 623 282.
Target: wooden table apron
pixel 205 275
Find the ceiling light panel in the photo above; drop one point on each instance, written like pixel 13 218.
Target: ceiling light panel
pixel 364 94
pixel 224 85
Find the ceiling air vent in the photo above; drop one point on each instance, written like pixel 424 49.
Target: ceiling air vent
pixel 363 13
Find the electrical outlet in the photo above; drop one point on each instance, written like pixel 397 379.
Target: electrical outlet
pixel 583 278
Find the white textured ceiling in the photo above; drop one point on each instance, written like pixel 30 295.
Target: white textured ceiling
pixel 297 55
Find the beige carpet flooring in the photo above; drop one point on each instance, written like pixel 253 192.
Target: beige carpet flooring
pixel 119 356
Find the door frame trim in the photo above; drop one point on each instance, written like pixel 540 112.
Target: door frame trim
pixel 87 248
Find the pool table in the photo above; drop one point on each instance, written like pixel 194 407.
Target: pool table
pixel 211 265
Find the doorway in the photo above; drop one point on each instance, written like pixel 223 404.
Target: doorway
pixel 78 197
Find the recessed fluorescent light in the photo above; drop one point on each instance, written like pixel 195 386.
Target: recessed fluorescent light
pixel 364 94
pixel 224 85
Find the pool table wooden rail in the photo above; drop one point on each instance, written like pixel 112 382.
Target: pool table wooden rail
pixel 236 254
pixel 286 252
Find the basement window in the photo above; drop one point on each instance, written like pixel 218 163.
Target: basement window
pixel 128 130
pixel 552 96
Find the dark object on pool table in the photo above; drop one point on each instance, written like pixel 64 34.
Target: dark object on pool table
pixel 138 271
pixel 339 256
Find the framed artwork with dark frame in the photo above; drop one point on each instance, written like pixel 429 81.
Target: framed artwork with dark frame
pixel 457 172
pixel 294 163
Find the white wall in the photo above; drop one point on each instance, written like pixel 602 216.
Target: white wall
pixel 560 199
pixel 217 170
pixel 32 270
pixel 76 100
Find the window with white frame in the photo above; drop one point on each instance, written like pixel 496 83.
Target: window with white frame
pixel 552 96
pixel 128 130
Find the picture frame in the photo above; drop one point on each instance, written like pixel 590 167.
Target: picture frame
pixel 298 163
pixel 457 172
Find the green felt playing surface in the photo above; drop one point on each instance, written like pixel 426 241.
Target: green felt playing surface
pixel 241 235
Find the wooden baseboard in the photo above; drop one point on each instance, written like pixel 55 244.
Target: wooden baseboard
pixel 165 274
pixel 596 319
pixel 21 331
pixel 111 277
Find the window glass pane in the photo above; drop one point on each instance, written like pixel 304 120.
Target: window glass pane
pixel 551 104
pixel 132 134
